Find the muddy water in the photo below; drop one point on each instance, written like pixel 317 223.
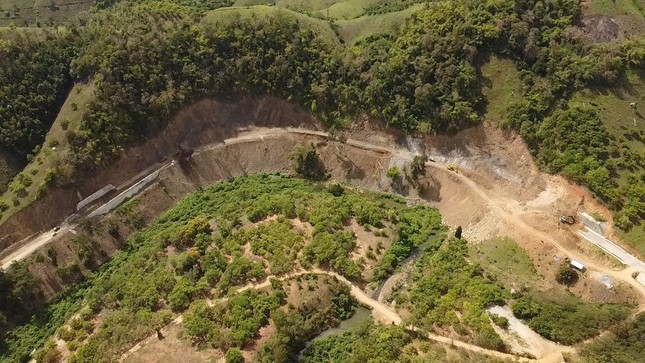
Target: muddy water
pixel 360 316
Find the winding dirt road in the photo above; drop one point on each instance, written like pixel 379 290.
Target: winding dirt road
pixel 380 312
pixel 503 207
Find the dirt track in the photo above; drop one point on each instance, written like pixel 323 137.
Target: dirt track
pixel 502 199
pixel 505 208
pixel 381 313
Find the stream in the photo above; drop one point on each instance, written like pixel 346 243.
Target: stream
pixel 360 316
pixel 410 260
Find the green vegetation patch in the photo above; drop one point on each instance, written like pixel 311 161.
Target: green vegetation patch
pixel 9 167
pixel 501 86
pixel 277 242
pixel 35 80
pixel 232 323
pixel 354 30
pixel 623 344
pixel 320 301
pixel 447 291
pixel 621 152
pixel 195 251
pixel 380 343
pixel 228 16
pixel 565 318
pixel 505 261
pixel 345 10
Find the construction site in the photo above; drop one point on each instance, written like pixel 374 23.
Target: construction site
pixel 482 180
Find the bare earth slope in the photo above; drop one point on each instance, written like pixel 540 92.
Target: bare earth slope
pixel 498 190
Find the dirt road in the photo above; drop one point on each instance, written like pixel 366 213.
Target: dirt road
pixel 380 312
pixel 507 209
pixel 33 245
pixel 504 207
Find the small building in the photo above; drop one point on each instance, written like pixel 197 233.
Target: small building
pixel 578 265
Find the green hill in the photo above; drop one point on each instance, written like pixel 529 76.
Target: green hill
pixel 223 17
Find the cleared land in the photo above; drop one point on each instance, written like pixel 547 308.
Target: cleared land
pixel 507 261
pixel 501 86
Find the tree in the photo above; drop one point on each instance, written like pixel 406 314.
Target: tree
pixel 336 190
pixel 234 355
pixel 458 232
pixel 418 167
pixel 49 354
pixel 198 321
pixel 181 295
pixel 566 275
pixel 393 173
pixel 306 162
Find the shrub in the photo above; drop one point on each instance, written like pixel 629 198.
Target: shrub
pixel 181 295
pixel 336 190
pixel 500 321
pixel 566 275
pixel 393 173
pixel 234 355
pixel 306 162
pixel 418 167
pixel 49 354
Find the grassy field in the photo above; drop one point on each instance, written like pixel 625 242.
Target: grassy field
pixel 506 260
pixel 617 7
pixel 43 12
pixel 54 149
pixel 353 30
pixel 629 14
pixel 346 10
pixel 348 16
pixel 613 104
pixel 501 86
pixel 226 15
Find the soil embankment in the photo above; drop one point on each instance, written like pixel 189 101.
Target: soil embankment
pixel 200 124
pixel 497 190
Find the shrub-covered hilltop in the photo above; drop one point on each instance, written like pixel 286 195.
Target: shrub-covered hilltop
pixel 289 237
pixel 149 58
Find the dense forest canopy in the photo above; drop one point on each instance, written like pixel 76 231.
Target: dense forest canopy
pixel 34 82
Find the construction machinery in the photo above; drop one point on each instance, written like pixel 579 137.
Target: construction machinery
pixel 452 168
pixel 566 219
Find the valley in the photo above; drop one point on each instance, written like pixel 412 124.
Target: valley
pixel 322 181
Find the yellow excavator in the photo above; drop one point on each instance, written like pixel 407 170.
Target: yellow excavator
pixel 453 168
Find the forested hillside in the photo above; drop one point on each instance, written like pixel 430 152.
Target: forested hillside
pixel 152 57
pixel 416 66
pixel 194 259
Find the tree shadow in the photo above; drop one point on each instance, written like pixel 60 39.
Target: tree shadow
pixel 430 189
